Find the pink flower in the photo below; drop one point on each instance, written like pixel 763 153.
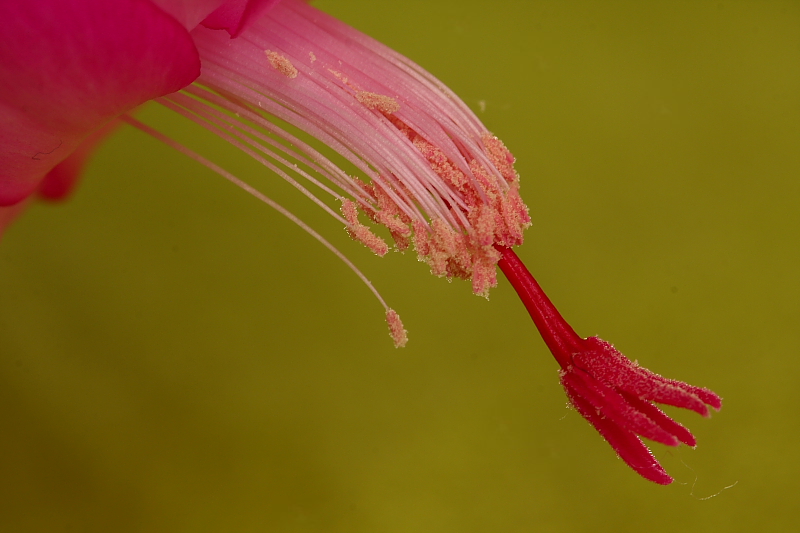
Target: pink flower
pixel 70 67
pixel 429 171
pixel 610 391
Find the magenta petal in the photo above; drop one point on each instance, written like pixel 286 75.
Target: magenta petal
pixel 68 67
pixel 189 13
pixel 60 181
pixel 628 446
pixel 235 15
pixel 8 214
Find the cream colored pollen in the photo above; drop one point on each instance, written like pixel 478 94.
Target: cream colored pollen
pixel 281 64
pixel 384 104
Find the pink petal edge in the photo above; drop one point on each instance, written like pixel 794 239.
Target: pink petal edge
pixel 74 65
pixel 235 15
pixel 61 180
pixel 189 12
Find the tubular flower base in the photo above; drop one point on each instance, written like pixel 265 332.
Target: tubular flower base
pixel 610 391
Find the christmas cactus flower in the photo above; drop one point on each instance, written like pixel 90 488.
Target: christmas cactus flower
pixel 429 171
pixel 69 68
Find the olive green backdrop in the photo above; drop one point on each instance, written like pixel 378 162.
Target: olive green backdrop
pixel 176 357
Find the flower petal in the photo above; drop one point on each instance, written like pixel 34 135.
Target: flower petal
pixel 9 213
pixel 235 15
pixel 189 12
pixel 70 66
pixel 60 181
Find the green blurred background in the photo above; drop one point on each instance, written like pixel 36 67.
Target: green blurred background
pixel 177 357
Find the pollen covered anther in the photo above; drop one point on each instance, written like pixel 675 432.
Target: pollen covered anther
pixel 360 232
pixel 396 329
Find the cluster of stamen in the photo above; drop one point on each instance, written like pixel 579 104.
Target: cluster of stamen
pixel 492 208
pixel 493 211
pixel 433 176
